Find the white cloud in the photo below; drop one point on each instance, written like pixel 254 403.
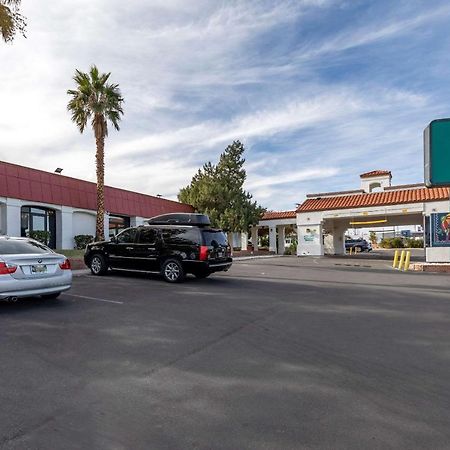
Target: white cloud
pixel 195 76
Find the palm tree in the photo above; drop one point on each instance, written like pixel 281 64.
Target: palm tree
pixel 96 99
pixel 11 21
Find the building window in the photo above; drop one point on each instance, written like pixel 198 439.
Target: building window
pixel 34 218
pixel 117 224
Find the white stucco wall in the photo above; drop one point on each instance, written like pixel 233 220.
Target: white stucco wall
pixel 83 223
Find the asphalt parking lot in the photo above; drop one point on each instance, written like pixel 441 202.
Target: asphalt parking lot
pixel 279 353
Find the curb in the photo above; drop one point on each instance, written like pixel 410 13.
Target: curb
pixel 80 272
pixel 245 258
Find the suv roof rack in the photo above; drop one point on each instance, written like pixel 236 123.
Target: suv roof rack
pixel 200 220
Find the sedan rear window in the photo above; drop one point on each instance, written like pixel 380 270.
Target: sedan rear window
pixel 18 247
pixel 214 238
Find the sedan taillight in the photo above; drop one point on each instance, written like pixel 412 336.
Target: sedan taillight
pixel 65 265
pixel 6 269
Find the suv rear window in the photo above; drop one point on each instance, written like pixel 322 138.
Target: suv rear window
pixel 19 247
pixel 214 238
pixel 182 236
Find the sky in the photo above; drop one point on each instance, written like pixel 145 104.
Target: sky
pixel 318 91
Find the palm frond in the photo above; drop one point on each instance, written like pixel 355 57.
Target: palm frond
pixel 94 97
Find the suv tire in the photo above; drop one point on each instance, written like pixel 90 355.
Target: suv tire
pixel 98 265
pixel 172 271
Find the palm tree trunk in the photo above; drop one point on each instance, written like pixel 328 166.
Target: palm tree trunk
pixel 100 164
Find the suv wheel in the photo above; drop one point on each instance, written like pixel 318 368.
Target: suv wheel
pixel 98 265
pixel 172 271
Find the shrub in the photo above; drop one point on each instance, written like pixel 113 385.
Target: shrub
pixel 414 243
pixel 291 250
pixel 81 240
pixel 40 236
pixel 396 242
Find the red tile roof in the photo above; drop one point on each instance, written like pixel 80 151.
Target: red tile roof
pixel 279 215
pixel 375 173
pixel 375 199
pixel 38 186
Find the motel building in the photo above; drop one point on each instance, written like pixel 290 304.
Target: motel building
pixel 323 219
pixel 34 200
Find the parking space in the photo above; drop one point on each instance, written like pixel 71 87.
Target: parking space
pixel 279 353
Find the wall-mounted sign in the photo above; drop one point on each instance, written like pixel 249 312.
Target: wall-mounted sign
pixel 437 153
pixel 311 236
pixel 440 230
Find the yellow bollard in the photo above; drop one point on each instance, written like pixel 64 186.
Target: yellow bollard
pixel 402 260
pixel 394 263
pixel 407 260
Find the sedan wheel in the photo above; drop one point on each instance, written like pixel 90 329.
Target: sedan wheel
pixel 173 271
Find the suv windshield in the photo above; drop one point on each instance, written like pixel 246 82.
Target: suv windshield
pixel 214 238
pixel 18 247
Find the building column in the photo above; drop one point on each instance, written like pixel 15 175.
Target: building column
pixel 339 240
pixel 255 238
pixel 64 229
pixel 281 239
pixel 137 221
pixel 106 219
pixel 273 239
pixel 13 217
pixel 310 240
pixel 244 241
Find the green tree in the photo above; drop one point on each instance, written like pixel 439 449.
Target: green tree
pixel 217 190
pixel 96 99
pixel 11 21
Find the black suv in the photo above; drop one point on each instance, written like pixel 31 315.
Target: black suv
pixel 171 244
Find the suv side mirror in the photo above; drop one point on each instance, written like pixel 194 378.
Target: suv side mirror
pixel 113 239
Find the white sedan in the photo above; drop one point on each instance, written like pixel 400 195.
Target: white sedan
pixel 29 269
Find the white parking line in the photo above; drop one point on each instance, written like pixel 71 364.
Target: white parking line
pixel 94 298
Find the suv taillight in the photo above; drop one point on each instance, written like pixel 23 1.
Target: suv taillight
pixel 65 265
pixel 204 250
pixel 6 269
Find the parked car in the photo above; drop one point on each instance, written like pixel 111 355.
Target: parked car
pixel 29 268
pixel 358 244
pixel 172 245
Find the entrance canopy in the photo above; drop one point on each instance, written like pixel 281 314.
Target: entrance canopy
pixel 322 219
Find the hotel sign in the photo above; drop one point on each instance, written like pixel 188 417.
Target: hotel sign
pixel 437 153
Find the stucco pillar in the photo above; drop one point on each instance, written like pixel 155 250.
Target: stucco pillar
pixel 106 226
pixel 339 240
pixel 310 241
pixel 273 239
pixel 136 221
pixel 281 239
pixel 64 229
pixel 13 218
pixel 244 240
pixel 255 238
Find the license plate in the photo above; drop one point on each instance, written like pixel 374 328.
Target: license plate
pixel 39 268
pixel 220 254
